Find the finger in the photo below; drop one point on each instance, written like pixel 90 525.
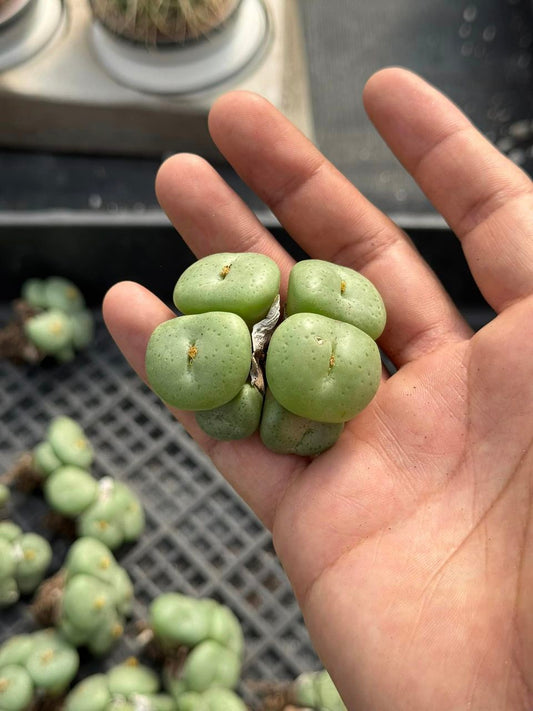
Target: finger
pixel 131 314
pixel 486 199
pixel 331 220
pixel 209 215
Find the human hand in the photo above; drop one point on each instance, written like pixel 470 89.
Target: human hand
pixel 409 544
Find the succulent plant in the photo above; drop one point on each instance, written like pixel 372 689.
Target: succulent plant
pixel 105 509
pixel 128 685
pixel 315 690
pixel 319 367
pixel 212 638
pixel 215 699
pixel 50 320
pixel 180 620
pixel 24 560
pixel 32 666
pixel 244 284
pixel 89 599
pixel 162 21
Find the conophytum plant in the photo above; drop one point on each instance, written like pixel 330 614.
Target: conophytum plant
pixel 50 319
pixel 105 509
pixel 24 560
pixel 243 363
pixel 89 599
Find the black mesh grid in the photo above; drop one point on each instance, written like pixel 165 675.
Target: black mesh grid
pixel 200 538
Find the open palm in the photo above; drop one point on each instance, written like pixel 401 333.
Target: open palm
pixel 409 544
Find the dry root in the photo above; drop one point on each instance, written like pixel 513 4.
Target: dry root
pixel 275 696
pixel 22 474
pixel 47 703
pixel 46 604
pixel 14 345
pixel 57 523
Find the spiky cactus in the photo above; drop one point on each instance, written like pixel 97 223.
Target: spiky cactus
pixel 162 21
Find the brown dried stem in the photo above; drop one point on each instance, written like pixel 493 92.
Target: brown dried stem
pixel 46 605
pixel 22 474
pixel 14 345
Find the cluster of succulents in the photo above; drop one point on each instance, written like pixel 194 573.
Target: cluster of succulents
pixel 162 22
pixel 61 323
pixel 89 599
pixel 37 665
pixel 105 509
pixel 243 365
pixel 212 637
pixel 127 687
pixel 24 560
pixel 318 367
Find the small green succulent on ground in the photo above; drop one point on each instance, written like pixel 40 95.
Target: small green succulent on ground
pixel 50 320
pixel 152 22
pixel 127 686
pixel 318 368
pixel 311 690
pixel 89 599
pixel 35 666
pixel 105 509
pixel 24 560
pixel 210 635
pixel 215 699
pixel 315 690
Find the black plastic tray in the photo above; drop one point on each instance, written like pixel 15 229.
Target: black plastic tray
pixel 200 538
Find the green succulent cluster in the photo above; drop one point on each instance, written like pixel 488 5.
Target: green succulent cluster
pixel 214 639
pixel 96 598
pixel 127 687
pixel 230 361
pixel 24 560
pixel 106 509
pixel 35 665
pixel 62 324
pixel 315 690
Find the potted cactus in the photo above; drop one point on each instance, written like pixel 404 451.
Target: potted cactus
pixel 162 22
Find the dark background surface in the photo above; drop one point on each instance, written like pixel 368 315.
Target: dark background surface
pixel 97 220
pixel 479 52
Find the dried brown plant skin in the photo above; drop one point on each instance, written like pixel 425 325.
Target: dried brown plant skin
pixel 163 21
